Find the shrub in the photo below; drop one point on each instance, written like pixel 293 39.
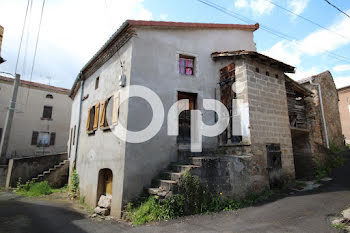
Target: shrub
pixel 32 189
pixel 325 169
pixel 75 184
pixel 334 148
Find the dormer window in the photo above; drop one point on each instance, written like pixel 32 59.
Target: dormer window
pixel 49 96
pixel 186 65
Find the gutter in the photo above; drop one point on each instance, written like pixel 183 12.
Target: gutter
pixel 322 111
pixel 79 117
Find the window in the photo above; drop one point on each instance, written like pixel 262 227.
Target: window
pixel 276 75
pixel 52 139
pixel 74 135
pixel 186 65
pixel 92 119
pixel 49 96
pixel 47 113
pixel 267 73
pixel 109 111
pixel 257 69
pixel 97 81
pixel 43 139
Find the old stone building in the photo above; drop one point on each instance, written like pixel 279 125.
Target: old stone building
pixel 180 61
pixel 1 36
pixel 344 109
pixel 41 120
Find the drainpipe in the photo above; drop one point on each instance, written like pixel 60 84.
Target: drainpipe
pixel 79 117
pixel 322 111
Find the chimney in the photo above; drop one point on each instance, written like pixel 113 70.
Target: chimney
pixel 1 35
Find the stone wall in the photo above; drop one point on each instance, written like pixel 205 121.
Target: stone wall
pixel 269 120
pixel 29 167
pixel 3 174
pixel 344 109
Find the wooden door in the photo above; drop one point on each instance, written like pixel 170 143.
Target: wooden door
pixel 185 117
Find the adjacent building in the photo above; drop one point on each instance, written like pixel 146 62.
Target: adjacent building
pixel 41 120
pixel 344 109
pixel 1 36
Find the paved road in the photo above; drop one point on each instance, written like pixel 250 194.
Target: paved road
pixel 303 212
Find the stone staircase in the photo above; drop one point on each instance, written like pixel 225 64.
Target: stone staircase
pixel 42 176
pixel 166 183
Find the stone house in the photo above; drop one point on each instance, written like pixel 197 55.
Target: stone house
pixel 177 61
pixel 1 36
pixel 344 109
pixel 315 120
pixel 41 120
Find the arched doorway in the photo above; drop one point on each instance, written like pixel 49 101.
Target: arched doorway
pixel 105 181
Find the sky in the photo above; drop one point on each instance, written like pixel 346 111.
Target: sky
pixel 72 31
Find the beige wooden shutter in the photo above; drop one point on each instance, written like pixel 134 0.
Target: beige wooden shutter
pixel 103 114
pixel 88 120
pixel 97 111
pixel 115 108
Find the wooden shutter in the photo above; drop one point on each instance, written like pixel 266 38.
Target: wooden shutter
pixel 97 111
pixel 52 139
pixel 115 108
pixel 103 113
pixel 87 121
pixel 35 138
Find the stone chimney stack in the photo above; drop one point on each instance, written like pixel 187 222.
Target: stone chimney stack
pixel 1 35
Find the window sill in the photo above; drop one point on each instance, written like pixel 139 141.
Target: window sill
pixel 91 132
pixel 47 119
pixel 105 128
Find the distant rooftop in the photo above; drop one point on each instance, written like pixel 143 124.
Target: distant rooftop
pixel 37 85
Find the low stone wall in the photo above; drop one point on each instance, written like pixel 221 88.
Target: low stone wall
pixel 3 174
pixel 59 177
pixel 29 167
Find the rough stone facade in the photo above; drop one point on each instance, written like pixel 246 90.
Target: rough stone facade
pixel 344 109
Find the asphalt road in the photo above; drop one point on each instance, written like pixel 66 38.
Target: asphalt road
pixel 302 212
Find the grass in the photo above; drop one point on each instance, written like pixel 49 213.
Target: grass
pixel 31 189
pixel 339 226
pixel 193 199
pixel 300 184
pixel 325 169
pixel 85 205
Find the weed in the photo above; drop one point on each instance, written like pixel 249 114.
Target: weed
pixel 300 184
pixel 339 226
pixel 31 189
pixel 334 148
pixel 75 184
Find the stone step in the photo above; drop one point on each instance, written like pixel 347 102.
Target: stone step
pixel 46 172
pixel 203 160
pixel 182 168
pixel 41 175
pixel 168 175
pixel 159 192
pixel 35 179
pixel 167 185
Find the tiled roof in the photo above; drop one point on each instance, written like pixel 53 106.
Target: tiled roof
pixel 38 85
pixel 193 25
pixel 255 55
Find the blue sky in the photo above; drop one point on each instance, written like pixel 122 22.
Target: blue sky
pixel 72 31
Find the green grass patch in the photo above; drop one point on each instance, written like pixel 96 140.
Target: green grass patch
pixel 31 189
pixel 193 199
pixel 326 168
pixel 300 184
pixel 339 226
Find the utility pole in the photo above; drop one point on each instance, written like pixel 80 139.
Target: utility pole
pixel 9 119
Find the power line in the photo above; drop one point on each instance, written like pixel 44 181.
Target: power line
pixel 306 19
pixel 36 45
pixel 337 8
pixel 269 30
pixel 20 43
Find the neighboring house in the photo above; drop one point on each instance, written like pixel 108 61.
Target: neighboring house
pixel 41 121
pixel 344 109
pixel 1 36
pixel 179 61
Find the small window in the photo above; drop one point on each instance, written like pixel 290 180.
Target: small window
pixel 0 134
pixel 74 135
pixel 97 81
pixel 276 75
pixel 92 119
pixel 35 135
pixel 47 113
pixel 186 65
pixel 267 73
pixel 43 139
pixel 49 96
pixel 257 70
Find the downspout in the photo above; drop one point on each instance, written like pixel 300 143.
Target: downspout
pixel 322 111
pixel 79 117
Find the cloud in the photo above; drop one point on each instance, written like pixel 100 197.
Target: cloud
pixel 341 68
pixel 342 81
pixel 259 7
pixel 301 73
pixel 298 6
pixel 72 31
pixel 284 51
pixel 163 16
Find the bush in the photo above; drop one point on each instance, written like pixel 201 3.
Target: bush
pixel 334 148
pixel 31 189
pixel 325 169
pixel 75 184
pixel 193 199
